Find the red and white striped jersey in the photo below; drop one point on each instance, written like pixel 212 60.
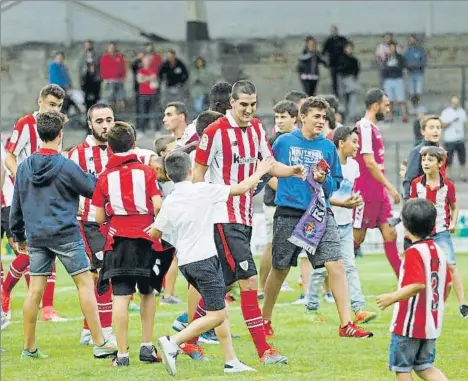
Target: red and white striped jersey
pixel 91 158
pixel 231 153
pixel 8 185
pixel 145 155
pixel 189 136
pixel 24 140
pixel 442 196
pixel 421 316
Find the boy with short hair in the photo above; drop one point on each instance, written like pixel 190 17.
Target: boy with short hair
pixel 129 192
pixel 423 288
pixel 190 212
pixel 165 144
pixel 431 130
pixel 441 192
pixel 343 201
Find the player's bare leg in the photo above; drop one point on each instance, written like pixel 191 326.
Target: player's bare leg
pixel 272 289
pixel 120 309
pixel 457 284
pixel 31 309
pixel 432 374
pixel 265 266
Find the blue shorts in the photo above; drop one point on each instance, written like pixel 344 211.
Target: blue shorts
pixel 407 354
pixel 444 240
pixel 415 82
pixel 395 89
pixel 72 255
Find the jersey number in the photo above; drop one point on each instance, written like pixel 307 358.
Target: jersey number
pixel 435 291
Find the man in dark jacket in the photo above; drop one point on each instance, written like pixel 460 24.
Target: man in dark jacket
pixel 43 223
pixel 174 74
pixel 334 48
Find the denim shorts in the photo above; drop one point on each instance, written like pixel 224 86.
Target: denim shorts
pixel 407 354
pixel 72 255
pixel 444 240
pixel 415 82
pixel 395 89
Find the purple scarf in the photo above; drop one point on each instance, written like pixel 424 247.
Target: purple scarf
pixel 309 230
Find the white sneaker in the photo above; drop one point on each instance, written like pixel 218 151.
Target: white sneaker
pixel 86 338
pixel 286 287
pixel 237 366
pixel 302 300
pixel 328 297
pixel 109 335
pixel 169 352
pixel 5 320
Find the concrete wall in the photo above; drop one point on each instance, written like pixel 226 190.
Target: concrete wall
pixel 270 63
pixel 46 21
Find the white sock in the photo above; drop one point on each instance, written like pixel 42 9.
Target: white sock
pixel 121 355
pixel 149 345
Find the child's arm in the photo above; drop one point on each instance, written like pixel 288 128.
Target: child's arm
pixel 350 202
pixel 453 217
pixel 100 216
pixel 262 169
pixel 406 292
pixel 157 202
pixel 273 183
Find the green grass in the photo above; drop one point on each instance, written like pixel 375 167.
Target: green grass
pixel 316 353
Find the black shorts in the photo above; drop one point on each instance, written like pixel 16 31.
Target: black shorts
pixel 125 285
pixel 207 278
pixel 95 241
pixel 6 222
pixel 285 254
pixel 458 148
pixel 233 246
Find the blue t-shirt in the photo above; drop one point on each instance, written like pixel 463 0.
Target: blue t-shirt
pixel 293 149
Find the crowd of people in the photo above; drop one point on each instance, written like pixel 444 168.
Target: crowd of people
pixel 119 218
pixel 344 67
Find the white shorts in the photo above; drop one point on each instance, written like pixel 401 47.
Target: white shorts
pixel 269 212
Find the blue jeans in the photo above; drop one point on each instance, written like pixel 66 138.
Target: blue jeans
pixel 415 82
pixel 444 240
pixel 354 284
pixel 407 354
pixel 72 255
pixel 395 89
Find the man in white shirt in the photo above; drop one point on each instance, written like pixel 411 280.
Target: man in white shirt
pixel 190 211
pixel 454 122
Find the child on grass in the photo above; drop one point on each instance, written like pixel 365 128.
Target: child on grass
pixel 423 288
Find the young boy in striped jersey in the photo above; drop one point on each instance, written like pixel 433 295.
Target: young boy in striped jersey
pixel 433 186
pixel 423 287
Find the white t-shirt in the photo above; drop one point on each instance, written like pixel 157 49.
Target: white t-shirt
pixel 188 213
pixel 456 130
pixel 350 170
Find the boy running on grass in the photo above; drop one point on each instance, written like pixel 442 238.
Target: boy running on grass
pixel 423 288
pixel 190 212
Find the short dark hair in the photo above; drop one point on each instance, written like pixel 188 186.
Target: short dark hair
pixel 419 216
pixel 161 143
pixel 242 87
pixel 331 118
pixel 179 107
pixel 332 101
pixel 97 106
pixel 49 125
pixel 343 133
pixel 121 137
pixel 205 119
pixel 374 95
pixel 219 97
pixel 53 90
pixel 286 106
pixel 295 96
pixel 426 119
pixel 405 163
pixel 177 165
pixel 438 152
pixel 314 102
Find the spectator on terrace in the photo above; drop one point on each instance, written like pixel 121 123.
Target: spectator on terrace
pixel 147 92
pixel 382 52
pixel 113 73
pixel 308 66
pixel 349 72
pixel 90 80
pixel 201 82
pixel 334 47
pixel 415 62
pixel 173 73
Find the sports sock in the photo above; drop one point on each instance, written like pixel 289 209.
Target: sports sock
pixel 48 298
pixel 17 268
pixel 199 312
pixel 391 251
pixel 104 303
pixel 253 319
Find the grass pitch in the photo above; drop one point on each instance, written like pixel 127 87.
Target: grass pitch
pixel 315 351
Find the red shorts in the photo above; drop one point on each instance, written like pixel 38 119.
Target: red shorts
pixel 371 215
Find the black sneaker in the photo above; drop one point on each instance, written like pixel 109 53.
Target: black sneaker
pixel 464 310
pixel 121 361
pixel 149 354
